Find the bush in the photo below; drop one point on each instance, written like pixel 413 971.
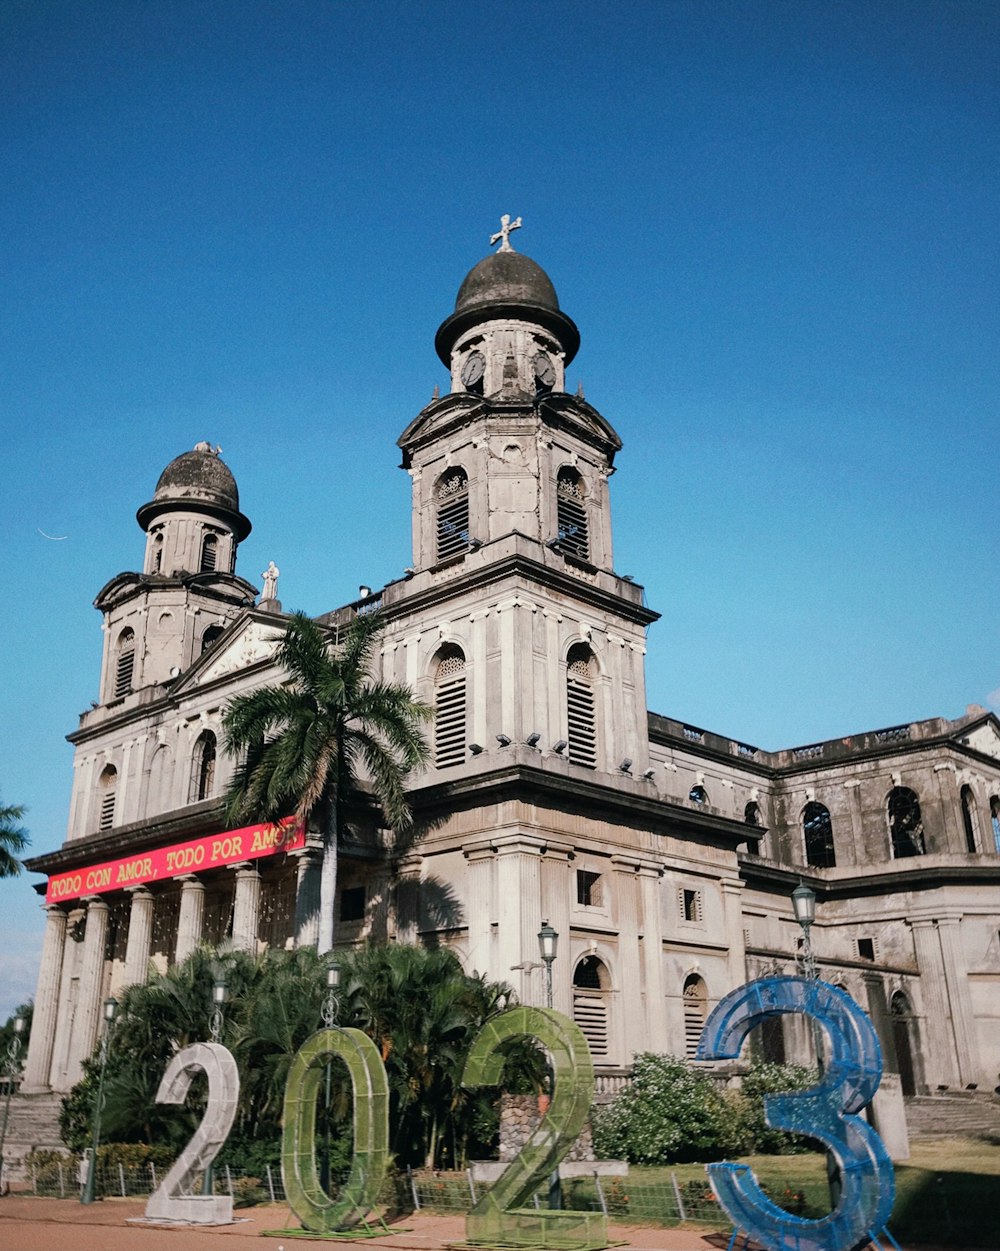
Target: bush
pixel 669 1113
pixel 771 1079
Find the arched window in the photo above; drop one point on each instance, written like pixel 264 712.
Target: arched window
pixel 107 789
pixel 818 830
pixel 904 1029
pixel 581 723
pixel 452 513
pixel 751 814
pixel 571 514
pixel 591 984
pixel 906 827
pixel 698 795
pixel 995 820
pixel 209 553
pixel 211 634
pixel 203 767
pixel 157 554
pixel 124 662
pixel 695 1012
pixel 970 819
pixel 449 707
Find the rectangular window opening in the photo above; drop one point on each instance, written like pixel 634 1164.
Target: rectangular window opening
pixel 588 889
pixel 689 902
pixel 352 903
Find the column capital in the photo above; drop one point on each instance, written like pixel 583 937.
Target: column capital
pixel 139 892
pixel 187 880
pixel 245 868
pixel 94 903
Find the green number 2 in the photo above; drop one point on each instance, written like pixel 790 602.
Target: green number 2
pixel 500 1217
pixel 316 1210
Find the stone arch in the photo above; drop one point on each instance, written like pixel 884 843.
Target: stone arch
pixel 695 996
pixel 817 834
pixel 107 794
pixel 581 704
pixel 203 767
pixel 450 705
pixel 451 509
pixel 905 1040
pixel 906 826
pixel 124 671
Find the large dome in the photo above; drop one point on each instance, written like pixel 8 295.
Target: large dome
pixel 507 284
pixel 506 278
pixel 201 480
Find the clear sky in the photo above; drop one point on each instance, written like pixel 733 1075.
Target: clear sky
pixel 774 221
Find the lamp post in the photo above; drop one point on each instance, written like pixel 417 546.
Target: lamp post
pixel 90 1185
pixel 217 1021
pixel 804 905
pixel 329 1010
pixel 548 943
pixel 12 1066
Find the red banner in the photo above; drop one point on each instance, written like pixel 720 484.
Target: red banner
pixel 250 843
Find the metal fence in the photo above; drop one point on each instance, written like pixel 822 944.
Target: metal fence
pixel 644 1196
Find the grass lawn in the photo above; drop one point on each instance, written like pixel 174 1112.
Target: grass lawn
pixel 948 1192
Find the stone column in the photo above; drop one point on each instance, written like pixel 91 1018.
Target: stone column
pixel 479 913
pixel 650 879
pixel 959 1000
pixel 307 896
pixel 140 934
pixel 518 886
pixel 43 1032
pixel 88 1015
pixel 732 912
pixel 628 974
pixel 937 1043
pixel 246 907
pixel 192 915
pixel 407 902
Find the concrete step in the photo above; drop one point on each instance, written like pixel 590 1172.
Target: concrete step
pixel 966 1115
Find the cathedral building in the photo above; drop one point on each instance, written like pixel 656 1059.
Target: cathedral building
pixel 663 854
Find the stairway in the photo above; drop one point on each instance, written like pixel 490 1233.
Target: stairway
pixel 957 1113
pixel 33 1122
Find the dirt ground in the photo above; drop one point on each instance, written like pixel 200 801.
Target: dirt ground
pixel 29 1224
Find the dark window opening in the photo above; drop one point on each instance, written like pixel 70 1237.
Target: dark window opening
pixel 969 820
pixel 209 553
pixel 124 663
pixel 690 905
pixel 995 820
pixel 108 789
pixel 866 948
pixel 203 767
pixel 906 827
pixel 695 1013
pixel 698 795
pixel 210 635
pixel 818 830
pixel 352 903
pixel 588 888
pixel 751 814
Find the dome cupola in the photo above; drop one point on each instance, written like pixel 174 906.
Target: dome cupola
pixel 507 331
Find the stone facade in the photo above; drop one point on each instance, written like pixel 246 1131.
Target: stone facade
pixel 663 854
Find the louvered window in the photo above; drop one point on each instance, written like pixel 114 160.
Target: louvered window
pixel 689 905
pixel 106 804
pixel 571 515
pixel 590 1005
pixel 209 552
pixel 449 703
pixel 124 663
pixel 695 1013
pixel 581 726
pixel 452 514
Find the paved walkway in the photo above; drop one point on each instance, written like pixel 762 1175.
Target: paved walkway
pixel 29 1224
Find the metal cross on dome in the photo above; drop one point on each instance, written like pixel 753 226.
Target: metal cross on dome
pixel 506 226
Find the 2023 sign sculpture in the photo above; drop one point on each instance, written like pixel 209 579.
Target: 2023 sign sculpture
pixel 828 1112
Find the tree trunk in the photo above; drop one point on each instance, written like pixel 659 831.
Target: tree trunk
pixel 328 882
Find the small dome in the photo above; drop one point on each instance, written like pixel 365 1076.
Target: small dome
pixel 507 278
pixel 199 475
pixel 198 480
pixel 507 285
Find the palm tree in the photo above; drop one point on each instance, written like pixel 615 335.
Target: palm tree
pixel 303 741
pixel 13 838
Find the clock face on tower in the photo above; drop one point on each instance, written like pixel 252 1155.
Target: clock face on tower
pixel 472 369
pixel 545 373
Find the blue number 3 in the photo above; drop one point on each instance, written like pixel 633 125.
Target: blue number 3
pixel 851 1075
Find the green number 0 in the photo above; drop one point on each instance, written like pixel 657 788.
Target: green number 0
pixel 306 1197
pixel 499 1218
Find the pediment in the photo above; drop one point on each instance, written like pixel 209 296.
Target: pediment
pixel 574 412
pixel 440 415
pixel 253 637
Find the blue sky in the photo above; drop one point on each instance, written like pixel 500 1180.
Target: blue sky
pixel 774 223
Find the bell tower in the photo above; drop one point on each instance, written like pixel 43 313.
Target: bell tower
pixel 156 623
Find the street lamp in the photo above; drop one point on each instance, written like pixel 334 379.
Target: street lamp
pixel 329 1010
pixel 90 1185
pixel 12 1066
pixel 804 904
pixel 548 942
pixel 220 993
